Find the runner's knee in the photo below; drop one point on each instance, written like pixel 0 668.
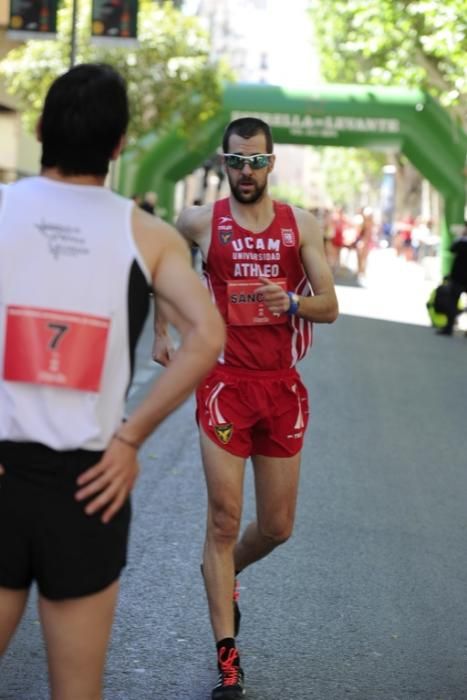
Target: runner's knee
pixel 277 532
pixel 224 524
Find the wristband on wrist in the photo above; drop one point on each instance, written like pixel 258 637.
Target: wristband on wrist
pixel 125 441
pixel 294 303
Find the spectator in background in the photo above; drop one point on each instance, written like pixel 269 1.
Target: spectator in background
pixel 457 280
pixel 198 202
pixel 149 203
pixel 403 237
pixel 336 243
pixel 364 239
pixel 323 216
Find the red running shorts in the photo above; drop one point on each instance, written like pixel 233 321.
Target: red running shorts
pixel 251 412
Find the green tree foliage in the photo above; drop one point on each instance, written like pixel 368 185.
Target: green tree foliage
pixel 289 194
pixel 418 43
pixel 348 171
pixel 169 75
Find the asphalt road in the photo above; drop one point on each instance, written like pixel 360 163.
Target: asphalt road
pixel 368 600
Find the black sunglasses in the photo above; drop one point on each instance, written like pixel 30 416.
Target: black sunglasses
pixel 256 162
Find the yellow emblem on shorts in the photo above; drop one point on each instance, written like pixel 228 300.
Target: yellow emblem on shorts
pixel 224 432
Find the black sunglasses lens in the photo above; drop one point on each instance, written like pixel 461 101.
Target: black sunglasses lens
pixel 255 162
pixel 258 162
pixel 235 162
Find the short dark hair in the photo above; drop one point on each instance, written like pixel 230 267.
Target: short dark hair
pixel 84 117
pixel 246 127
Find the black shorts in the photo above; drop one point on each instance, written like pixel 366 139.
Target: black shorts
pixel 45 535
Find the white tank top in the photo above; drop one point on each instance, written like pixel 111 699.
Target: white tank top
pixel 73 300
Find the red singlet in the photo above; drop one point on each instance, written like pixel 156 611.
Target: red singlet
pixel 236 258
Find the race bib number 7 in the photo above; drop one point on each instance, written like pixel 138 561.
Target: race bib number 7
pixel 245 307
pixel 56 348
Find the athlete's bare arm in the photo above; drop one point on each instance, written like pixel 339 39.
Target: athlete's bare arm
pixel 185 300
pixel 201 331
pixel 194 225
pixel 322 307
pixel 163 347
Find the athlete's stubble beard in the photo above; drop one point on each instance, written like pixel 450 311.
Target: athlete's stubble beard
pixel 250 198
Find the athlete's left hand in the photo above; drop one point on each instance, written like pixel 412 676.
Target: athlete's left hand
pixel 163 348
pixel 276 299
pixel 110 480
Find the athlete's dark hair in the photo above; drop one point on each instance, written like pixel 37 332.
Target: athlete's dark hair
pixel 246 127
pixel 85 115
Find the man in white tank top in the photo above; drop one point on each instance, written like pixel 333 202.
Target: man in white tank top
pixel 77 263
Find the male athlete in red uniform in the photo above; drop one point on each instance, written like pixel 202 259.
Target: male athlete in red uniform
pixel 265 266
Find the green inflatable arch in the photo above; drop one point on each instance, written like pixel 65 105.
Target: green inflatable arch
pixel 332 115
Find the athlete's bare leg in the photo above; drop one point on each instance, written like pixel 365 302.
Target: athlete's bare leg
pixel 12 604
pixel 77 633
pixel 224 478
pixel 276 485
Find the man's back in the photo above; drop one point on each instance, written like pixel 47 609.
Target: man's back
pixel 68 254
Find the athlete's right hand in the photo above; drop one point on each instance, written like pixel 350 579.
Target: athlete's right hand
pixel 109 481
pixel 2 471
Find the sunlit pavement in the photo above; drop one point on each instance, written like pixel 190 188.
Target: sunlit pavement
pixel 367 601
pixel 393 288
